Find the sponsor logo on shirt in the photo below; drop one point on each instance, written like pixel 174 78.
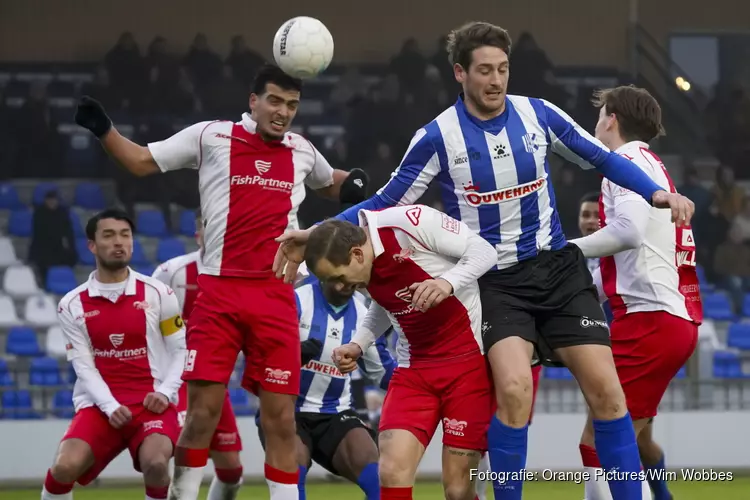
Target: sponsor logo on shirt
pixel 262 166
pixel 334 333
pixel 226 438
pixel 454 427
pixel 499 152
pixel 89 314
pixel 593 323
pixel 258 180
pixel 230 137
pixel 324 369
pixel 121 353
pixel 278 376
pixel 153 425
pixel 117 339
pixel 413 214
pixel 471 155
pixel 475 199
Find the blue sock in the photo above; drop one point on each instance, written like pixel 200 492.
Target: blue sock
pixel 618 453
pixel 655 476
pixel 301 482
pixel 507 449
pixel 369 481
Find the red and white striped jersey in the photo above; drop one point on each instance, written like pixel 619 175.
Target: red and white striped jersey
pixel 660 275
pixel 123 345
pixel 417 243
pixel 250 189
pixel 181 275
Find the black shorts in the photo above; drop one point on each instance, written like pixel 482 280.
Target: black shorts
pixel 549 300
pixel 323 432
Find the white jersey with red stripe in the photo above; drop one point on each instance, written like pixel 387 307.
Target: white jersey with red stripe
pixel 124 343
pixel 660 275
pixel 181 275
pixel 413 244
pixel 250 189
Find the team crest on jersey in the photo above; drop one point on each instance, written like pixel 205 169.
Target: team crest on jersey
pixel 262 166
pixel 278 376
pixel 531 143
pixel 500 152
pixel 404 294
pixel 334 333
pixel 141 305
pixel 117 339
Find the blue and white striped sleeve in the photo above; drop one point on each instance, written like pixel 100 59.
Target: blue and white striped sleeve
pixel 573 143
pixel 408 182
pixel 377 364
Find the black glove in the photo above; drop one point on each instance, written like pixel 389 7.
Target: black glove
pixel 311 348
pixel 90 115
pixel 354 188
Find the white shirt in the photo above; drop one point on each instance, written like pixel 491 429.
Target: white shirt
pixel 413 244
pixel 648 263
pixel 250 189
pixel 181 275
pixel 124 345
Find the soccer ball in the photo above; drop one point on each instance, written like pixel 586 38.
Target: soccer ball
pixel 303 47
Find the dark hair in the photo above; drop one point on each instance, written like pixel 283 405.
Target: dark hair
pixel 592 197
pixel 110 213
pixel 464 40
pixel 270 73
pixel 636 111
pixel 333 240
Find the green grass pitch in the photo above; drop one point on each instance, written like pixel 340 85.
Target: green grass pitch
pixel 738 489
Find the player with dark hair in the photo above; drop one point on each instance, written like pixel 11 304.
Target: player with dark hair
pixel 488 152
pixel 252 180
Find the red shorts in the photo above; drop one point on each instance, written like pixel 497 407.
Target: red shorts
pixel 535 374
pixel 226 436
pixel 649 349
pixel 256 316
pixel 92 426
pixel 457 393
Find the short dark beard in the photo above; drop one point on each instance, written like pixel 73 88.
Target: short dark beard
pixel 113 265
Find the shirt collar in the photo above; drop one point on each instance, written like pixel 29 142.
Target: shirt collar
pixel 248 123
pixel 95 292
pixel 631 144
pixel 493 125
pixel 369 221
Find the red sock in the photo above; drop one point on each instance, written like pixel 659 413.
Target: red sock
pixel 279 476
pixel 159 492
pixel 190 457
pixel 395 493
pixel 229 476
pixel 589 456
pixel 55 487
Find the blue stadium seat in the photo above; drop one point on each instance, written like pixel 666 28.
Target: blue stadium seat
pixel 17 405
pixel 717 306
pixel 240 401
pixel 746 306
pixel 41 190
pixel 146 269
pixel 9 199
pixel 151 223
pixel 85 257
pixel 71 375
pixel 45 372
pixel 22 341
pixel 556 373
pixel 727 364
pixel 89 195
pixel 6 380
pixel 75 220
pixel 139 255
pixel 738 336
pixel 19 223
pixel 682 373
pixel 62 404
pixel 170 248
pixel 61 280
pixel 187 223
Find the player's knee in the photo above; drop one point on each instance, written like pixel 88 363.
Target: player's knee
pixel 155 470
pixel 202 418
pixel 607 401
pixel 393 472
pixel 515 392
pixel 459 489
pixel 281 424
pixel 67 470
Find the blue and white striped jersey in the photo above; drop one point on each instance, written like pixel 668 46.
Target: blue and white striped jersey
pixel 323 388
pixel 494 174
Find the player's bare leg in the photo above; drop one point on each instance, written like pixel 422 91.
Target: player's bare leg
pixel 280 430
pixel 652 458
pixel 228 478
pixel 74 458
pixel 457 465
pixel 594 368
pixel 356 459
pixel 400 453
pixel 205 401
pixel 154 455
pixel 510 361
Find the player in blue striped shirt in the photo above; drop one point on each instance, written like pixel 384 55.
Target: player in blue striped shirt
pixel 488 153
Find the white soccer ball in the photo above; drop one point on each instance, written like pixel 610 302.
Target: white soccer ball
pixel 303 47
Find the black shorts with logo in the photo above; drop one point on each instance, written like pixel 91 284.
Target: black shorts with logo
pixel 323 432
pixel 549 300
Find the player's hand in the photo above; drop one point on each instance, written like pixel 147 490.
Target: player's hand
pixel 156 402
pixel 429 293
pixel 682 208
pixel 311 348
pixel 346 356
pixel 90 115
pixel 291 254
pixel 120 417
pixel 354 188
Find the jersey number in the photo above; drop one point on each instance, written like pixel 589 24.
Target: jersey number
pixel 190 360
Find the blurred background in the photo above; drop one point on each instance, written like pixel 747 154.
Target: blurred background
pixel 159 66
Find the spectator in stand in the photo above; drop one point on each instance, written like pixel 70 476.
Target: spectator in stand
pixel 244 62
pixel 103 91
pixel 693 188
pixel 728 195
pixel 181 100
pixel 35 130
pixel 438 60
pixel 530 65
pixel 203 64
pixel 126 67
pixel 163 73
pixel 222 98
pixel 410 65
pixel 732 266
pixel 52 241
pixel 741 223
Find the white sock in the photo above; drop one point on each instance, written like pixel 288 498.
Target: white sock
pixel 281 491
pixel 46 495
pixel 186 483
pixel 481 486
pixel 223 491
pixel 597 488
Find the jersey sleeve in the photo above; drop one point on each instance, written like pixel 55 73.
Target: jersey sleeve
pixel 173 332
pixel 321 175
pixel 163 273
pixel 374 325
pixel 183 150
pixel 377 364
